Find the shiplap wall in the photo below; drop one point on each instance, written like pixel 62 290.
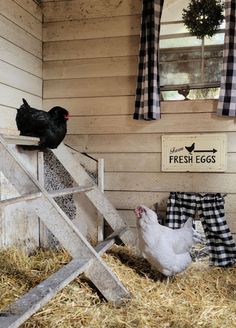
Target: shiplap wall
pixel 20 58
pixel 20 76
pixel 90 64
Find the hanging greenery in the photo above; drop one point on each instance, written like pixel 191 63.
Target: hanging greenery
pixel 203 17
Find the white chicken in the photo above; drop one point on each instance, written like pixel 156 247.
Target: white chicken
pixel 166 249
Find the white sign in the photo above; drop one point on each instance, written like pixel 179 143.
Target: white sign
pixel 194 153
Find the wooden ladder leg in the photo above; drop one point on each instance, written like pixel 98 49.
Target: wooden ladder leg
pixel 60 225
pixel 28 304
pixel 74 242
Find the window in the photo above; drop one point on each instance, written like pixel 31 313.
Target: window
pixel 186 60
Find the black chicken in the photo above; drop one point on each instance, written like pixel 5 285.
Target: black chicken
pixel 50 126
pixel 190 148
pixel 184 91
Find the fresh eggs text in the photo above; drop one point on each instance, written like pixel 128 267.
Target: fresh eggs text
pixel 181 159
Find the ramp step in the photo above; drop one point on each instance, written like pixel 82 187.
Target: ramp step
pixel 19 199
pixel 23 308
pixel 31 302
pixel 103 246
pixel 69 191
pixel 21 140
pixel 56 193
pixel 70 237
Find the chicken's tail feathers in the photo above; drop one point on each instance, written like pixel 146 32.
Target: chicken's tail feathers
pixel 26 105
pixel 189 223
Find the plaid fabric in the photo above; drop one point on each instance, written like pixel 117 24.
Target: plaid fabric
pixel 180 207
pixel 227 98
pixel 210 208
pixel 147 103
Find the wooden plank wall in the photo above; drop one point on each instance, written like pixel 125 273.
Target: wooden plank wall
pixel 21 76
pixel 20 58
pixel 90 64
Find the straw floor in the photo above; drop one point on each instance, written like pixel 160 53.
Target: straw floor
pixel 202 296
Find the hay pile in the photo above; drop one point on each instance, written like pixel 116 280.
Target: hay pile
pixel 202 296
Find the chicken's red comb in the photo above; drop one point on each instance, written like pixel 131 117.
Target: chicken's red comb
pixel 138 211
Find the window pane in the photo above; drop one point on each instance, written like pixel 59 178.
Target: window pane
pixel 184 59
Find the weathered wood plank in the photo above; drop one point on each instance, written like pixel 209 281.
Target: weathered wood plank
pixel 188 182
pixel 108 86
pixel 71 238
pixel 94 67
pixel 126 143
pixel 169 123
pixel 124 105
pixel 69 191
pixel 31 302
pixel 121 66
pixel 231 163
pixel 11 97
pixel 128 200
pixel 100 183
pixel 19 199
pixel 92 28
pixel 131 219
pixel 21 38
pixel 20 140
pixel 230 218
pixel 43 231
pixel 65 231
pixel 69 10
pixel 144 162
pixel 19 311
pixel 14 173
pixel 7 117
pixel 7 131
pixel 11 10
pixel 94 48
pixel 32 7
pixel 86 162
pixel 21 80
pixel 95 195
pixel 90 87
pixel 131 162
pixel 21 227
pixel 94 106
pixel 20 58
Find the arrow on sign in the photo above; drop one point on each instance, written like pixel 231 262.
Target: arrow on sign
pixel 206 151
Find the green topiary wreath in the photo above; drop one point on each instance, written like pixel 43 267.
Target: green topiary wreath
pixel 203 17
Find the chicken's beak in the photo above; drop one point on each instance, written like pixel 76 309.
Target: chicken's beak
pixel 67 117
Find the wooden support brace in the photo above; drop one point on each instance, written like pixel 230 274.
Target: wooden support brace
pixel 75 243
pixel 19 311
pixel 64 230
pixel 21 140
pixel 70 191
pixel 20 199
pixel 31 302
pixel 100 219
pixel 96 197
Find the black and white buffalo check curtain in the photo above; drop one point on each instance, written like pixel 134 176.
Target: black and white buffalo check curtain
pixel 227 99
pixel 147 103
pixel 210 208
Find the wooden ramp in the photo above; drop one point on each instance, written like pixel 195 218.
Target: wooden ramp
pixel 85 258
